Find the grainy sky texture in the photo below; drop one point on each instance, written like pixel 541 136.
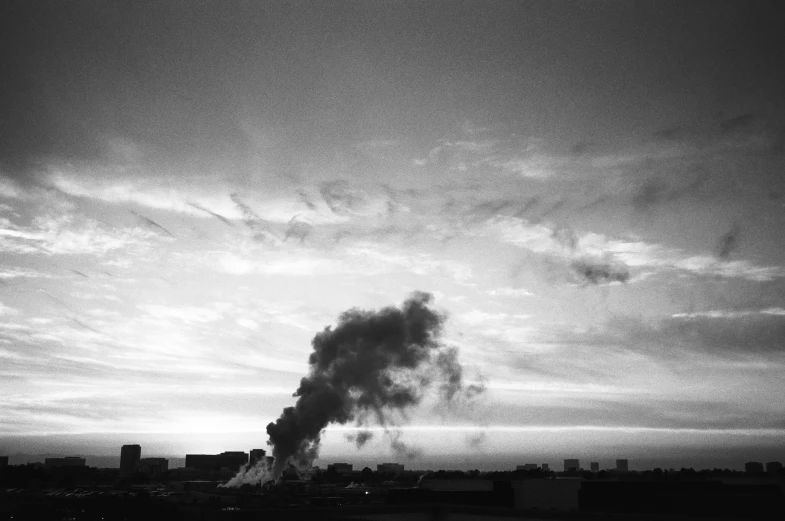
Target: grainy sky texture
pixel 592 191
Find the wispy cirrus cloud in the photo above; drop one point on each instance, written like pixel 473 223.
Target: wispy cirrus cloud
pixel 332 201
pixel 776 311
pixel 726 334
pixel 152 193
pixel 511 155
pixel 510 292
pixel 16 272
pixel 613 256
pixel 358 259
pixel 69 235
pixel 7 310
pixel 188 314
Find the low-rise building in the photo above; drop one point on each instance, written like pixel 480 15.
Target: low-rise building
pixel 226 460
pixel 68 461
pixel 340 468
pixel 257 455
pixel 390 468
pixel 153 466
pixel 753 467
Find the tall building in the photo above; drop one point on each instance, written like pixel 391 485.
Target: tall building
pixel 3 461
pixel 622 465
pixel 595 466
pixel 257 455
pixel 527 466
pixel 773 467
pixel 753 467
pixel 571 465
pixel 129 458
pixel 545 467
pixel 68 461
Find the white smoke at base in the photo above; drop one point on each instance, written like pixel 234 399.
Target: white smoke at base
pixel 257 474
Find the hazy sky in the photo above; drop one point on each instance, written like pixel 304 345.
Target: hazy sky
pixel 593 191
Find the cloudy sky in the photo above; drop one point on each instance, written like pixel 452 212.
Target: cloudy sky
pixel 593 192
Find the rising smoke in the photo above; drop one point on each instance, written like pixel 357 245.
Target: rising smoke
pixel 260 473
pixel 372 365
pixel 600 270
pixel 400 448
pixel 339 196
pixel 361 438
pixel 728 242
pixel 298 229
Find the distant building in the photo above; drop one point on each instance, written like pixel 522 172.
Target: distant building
pixel 595 466
pixel 225 460
pixel 68 461
pixel 753 467
pixel 572 465
pixel 773 467
pixel 390 468
pixel 257 455
pixel 3 461
pixel 545 467
pixel 622 465
pixel 153 466
pixel 236 454
pixel 340 468
pixel 527 466
pixel 129 458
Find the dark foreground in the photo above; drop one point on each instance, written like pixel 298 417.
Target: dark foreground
pixel 30 493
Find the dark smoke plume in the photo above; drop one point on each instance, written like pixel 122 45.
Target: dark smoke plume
pixel 452 386
pixel 339 196
pixel 600 271
pixel 361 438
pixel 728 242
pixel 306 200
pixel 738 123
pixel 371 365
pixel 476 441
pixel 566 237
pixel 402 449
pixel 298 229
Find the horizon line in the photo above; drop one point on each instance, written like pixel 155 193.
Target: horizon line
pixel 764 431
